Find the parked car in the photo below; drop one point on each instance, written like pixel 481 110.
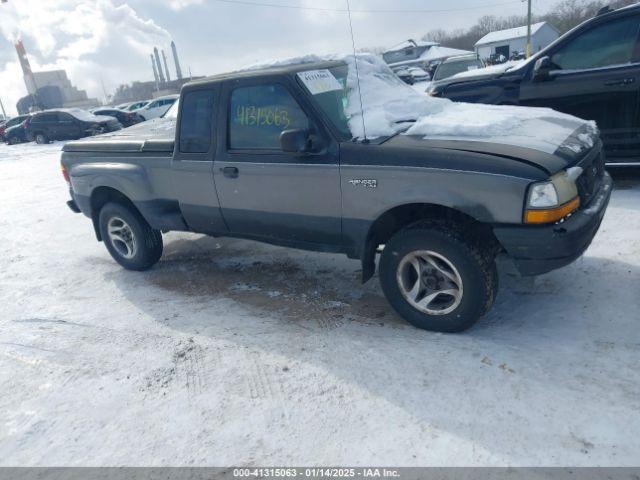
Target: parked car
pixel 454 65
pixel 12 122
pixel 156 108
pixel 69 123
pixel 404 75
pixel 136 105
pixel 289 168
pixel 125 118
pixel 17 132
pixel 592 72
pixel 419 75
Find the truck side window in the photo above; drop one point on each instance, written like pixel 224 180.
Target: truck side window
pixel 258 115
pixel 195 121
pixel 609 44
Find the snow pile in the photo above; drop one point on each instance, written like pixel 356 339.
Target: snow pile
pixel 274 63
pixel 492 69
pixel 388 103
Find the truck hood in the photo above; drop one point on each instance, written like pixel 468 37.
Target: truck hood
pixel 155 135
pixel 550 139
pixel 562 147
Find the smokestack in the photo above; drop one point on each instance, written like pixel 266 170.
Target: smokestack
pixel 166 67
pixel 159 65
pixel 29 78
pixel 155 70
pixel 175 60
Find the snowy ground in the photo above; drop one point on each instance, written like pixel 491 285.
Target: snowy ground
pixel 231 352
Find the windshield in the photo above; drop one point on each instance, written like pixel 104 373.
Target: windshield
pixel 331 98
pixel 446 70
pixel 173 111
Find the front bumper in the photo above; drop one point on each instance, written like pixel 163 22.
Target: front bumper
pixel 538 250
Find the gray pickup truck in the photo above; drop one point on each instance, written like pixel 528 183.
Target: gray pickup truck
pixel 270 155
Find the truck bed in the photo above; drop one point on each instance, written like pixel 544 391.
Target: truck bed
pixel 157 135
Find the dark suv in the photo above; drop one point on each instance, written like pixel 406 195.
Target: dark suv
pixel 592 72
pixel 12 122
pixel 65 124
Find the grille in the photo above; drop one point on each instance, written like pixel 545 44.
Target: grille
pixel 593 173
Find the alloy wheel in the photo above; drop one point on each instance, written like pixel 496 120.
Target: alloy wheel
pixel 430 282
pixel 122 238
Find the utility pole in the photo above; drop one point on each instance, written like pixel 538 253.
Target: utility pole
pixel 4 114
pixel 529 29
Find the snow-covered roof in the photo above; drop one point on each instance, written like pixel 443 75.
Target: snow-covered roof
pixel 511 34
pixel 438 53
pixel 434 53
pixel 411 43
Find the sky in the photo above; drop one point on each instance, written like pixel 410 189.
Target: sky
pixel 108 42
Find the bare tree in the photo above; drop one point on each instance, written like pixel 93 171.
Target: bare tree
pixel 564 15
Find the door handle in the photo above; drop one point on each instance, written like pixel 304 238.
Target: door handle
pixel 619 82
pixel 230 172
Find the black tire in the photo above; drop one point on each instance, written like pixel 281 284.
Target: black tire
pixel 41 138
pixel 148 241
pixel 476 269
pixel 13 141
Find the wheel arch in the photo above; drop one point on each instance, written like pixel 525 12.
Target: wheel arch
pixel 102 195
pixel 400 217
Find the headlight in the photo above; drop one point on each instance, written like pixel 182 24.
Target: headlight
pixel 551 201
pixel 543 195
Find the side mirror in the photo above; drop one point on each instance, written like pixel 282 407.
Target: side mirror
pixel 295 141
pixel 542 69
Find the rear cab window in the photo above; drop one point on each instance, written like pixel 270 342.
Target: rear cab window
pixel 196 121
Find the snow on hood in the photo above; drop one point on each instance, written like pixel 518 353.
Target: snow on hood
pixel 389 106
pixel 491 70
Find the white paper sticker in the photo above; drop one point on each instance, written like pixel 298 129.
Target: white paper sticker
pixel 319 81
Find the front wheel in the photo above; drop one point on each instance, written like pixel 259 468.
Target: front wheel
pixel 129 238
pixel 436 279
pixel 41 138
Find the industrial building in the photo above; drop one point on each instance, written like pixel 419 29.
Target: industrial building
pixel 71 96
pixel 163 84
pixel 50 89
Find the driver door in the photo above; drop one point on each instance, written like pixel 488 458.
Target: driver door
pixel 266 193
pixel 596 77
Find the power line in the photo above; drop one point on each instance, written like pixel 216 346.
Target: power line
pixel 343 10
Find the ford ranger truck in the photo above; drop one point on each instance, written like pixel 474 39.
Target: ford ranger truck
pixel 270 155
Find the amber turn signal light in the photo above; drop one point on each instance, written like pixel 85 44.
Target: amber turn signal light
pixel 65 174
pixel 551 215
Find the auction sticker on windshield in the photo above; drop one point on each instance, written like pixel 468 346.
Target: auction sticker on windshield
pixel 319 81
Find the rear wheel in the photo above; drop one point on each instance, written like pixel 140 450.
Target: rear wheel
pixel 41 138
pixel 436 279
pixel 129 238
